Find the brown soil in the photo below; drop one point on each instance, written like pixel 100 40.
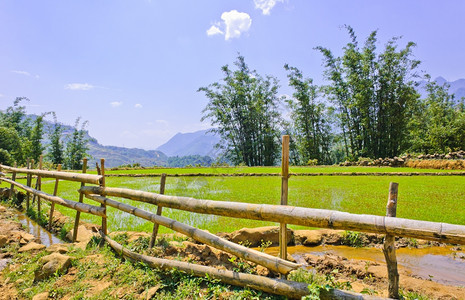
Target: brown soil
pixel 362 276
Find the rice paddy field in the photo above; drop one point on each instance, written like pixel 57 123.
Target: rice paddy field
pixel 430 198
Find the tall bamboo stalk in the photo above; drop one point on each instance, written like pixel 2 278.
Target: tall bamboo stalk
pixel 159 210
pixel 81 198
pixel 52 206
pixel 104 206
pixel 39 184
pixel 284 195
pixel 28 182
pixel 389 247
pixel 12 187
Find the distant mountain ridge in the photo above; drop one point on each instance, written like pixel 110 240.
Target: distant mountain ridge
pixel 457 87
pixel 114 156
pixel 200 142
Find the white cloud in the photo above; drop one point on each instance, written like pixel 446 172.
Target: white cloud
pixel 236 23
pixel 79 86
pixel 214 30
pixel 266 5
pixel 233 25
pixel 25 73
pixel 116 103
pixel 138 105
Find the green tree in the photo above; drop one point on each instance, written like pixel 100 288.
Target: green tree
pixel 56 147
pixel 438 124
pixel 76 147
pixel 374 95
pixel 311 129
pixel 15 120
pixel 10 146
pixel 243 109
pixel 36 136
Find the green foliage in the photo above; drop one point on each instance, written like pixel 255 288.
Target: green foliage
pixel 244 111
pixel 197 160
pixel 374 95
pixel 56 147
pixel 76 148
pixel 10 146
pixel 353 239
pixel 37 132
pixel 438 124
pixel 311 125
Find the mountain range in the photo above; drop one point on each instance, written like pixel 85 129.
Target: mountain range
pixel 182 144
pixel 201 142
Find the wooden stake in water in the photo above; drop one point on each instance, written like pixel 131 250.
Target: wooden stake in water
pixel 284 196
pixel 389 247
pixel 159 210
pixel 81 198
pixel 52 205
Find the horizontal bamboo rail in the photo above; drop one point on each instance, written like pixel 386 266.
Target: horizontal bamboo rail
pixel 291 289
pixel 83 178
pixel 273 263
pixel 444 232
pixel 90 209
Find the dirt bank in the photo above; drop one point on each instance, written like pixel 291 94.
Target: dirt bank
pixel 89 271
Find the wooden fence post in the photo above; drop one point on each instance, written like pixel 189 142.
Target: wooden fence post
pixel 28 182
pixel 389 247
pixel 39 185
pixel 81 198
pixel 12 187
pixel 104 219
pixel 52 205
pixel 159 209
pixel 284 194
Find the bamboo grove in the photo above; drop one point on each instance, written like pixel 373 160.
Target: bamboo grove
pixel 370 107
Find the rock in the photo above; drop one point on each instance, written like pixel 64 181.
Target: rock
pixel 151 292
pixel 3 240
pixel 31 247
pixel 84 234
pixel 41 296
pixel 60 248
pixel 254 237
pixel 308 237
pixel 19 281
pixel 81 245
pixel 27 236
pixel 53 263
pixel 2 209
pixel 4 262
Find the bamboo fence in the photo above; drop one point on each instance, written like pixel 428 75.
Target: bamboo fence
pixel 283 214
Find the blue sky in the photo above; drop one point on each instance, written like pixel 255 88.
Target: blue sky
pixel 132 67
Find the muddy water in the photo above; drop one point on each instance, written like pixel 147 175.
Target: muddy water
pixel 440 264
pixel 46 238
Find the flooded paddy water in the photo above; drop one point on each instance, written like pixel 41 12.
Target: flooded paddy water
pixel 444 265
